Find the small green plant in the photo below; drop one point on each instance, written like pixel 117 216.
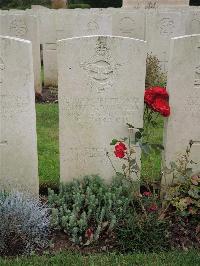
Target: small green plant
pixel 184 192
pixel 143 229
pixel 24 225
pixel 87 209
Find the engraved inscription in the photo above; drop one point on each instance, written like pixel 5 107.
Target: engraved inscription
pixel 92 26
pixel 164 61
pixel 151 4
pixel 101 110
pixel 166 27
pixel 84 155
pixel 101 68
pixel 127 25
pixel 192 106
pixel 197 69
pixel 18 27
pixel 2 68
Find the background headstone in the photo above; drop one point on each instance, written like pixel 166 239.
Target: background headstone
pixel 161 26
pixel 100 90
pixel 25 27
pixel 184 88
pixel 18 141
pixel 129 24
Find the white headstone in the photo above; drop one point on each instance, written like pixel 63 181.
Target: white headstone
pixel 160 28
pixel 18 141
pixel 100 90
pixel 24 27
pixel 129 24
pixel 48 30
pixel 193 21
pixel 184 88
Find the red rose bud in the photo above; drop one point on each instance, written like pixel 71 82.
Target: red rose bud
pixel 120 146
pixel 147 194
pixel 153 207
pixel 120 149
pixel 157 99
pixel 89 233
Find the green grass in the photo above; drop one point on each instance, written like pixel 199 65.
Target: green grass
pixel 191 258
pixel 151 164
pixel 48 148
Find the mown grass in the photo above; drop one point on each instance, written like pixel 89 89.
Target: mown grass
pixel 191 258
pixel 48 147
pixel 48 143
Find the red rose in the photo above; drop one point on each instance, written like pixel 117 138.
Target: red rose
pixel 89 233
pixel 119 154
pixel 120 149
pixel 161 106
pixel 153 207
pixel 157 99
pixel 147 194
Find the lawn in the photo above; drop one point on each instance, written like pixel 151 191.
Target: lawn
pixel 191 258
pixel 48 147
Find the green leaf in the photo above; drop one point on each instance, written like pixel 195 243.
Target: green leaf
pixel 138 136
pixel 114 142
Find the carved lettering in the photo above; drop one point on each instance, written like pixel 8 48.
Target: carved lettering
pixel 101 110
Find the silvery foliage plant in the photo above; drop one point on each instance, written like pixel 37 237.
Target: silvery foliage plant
pixel 24 224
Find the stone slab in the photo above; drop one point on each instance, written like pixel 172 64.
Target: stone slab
pixel 100 90
pixel 18 141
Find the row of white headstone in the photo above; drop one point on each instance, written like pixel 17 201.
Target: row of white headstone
pixel 43 26
pixel 100 90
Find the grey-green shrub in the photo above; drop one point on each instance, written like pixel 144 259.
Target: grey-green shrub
pixel 88 204
pixel 24 224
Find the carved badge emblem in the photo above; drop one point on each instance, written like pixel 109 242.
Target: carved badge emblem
pixel 18 27
pixel 127 25
pixel 101 68
pixel 166 27
pixel 92 27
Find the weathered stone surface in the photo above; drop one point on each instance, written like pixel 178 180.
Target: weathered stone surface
pixel 24 27
pixel 100 90
pixel 92 24
pixel 161 26
pixel 129 24
pixel 193 21
pixel 18 142
pixel 184 88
